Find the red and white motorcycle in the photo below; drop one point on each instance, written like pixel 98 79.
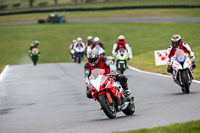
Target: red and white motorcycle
pixel 182 70
pixel 109 93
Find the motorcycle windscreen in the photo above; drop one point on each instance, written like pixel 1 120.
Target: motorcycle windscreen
pixel 96 72
pixel 180 56
pixel 97 78
pixel 98 81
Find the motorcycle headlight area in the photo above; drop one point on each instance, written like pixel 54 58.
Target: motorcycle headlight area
pixel 181 59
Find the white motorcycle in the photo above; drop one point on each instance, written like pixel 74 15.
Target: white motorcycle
pixel 98 48
pixel 79 51
pixel 182 70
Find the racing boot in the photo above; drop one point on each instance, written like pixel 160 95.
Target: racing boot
pixel 126 89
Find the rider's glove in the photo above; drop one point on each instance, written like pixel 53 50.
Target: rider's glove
pixel 169 63
pixel 193 58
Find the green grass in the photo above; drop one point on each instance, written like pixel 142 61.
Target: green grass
pixel 100 3
pixel 188 127
pixel 54 39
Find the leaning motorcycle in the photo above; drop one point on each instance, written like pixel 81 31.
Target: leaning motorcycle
pixel 182 70
pixel 79 51
pixel 109 93
pixel 121 60
pixel 34 55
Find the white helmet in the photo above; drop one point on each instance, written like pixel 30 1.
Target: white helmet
pixel 89 38
pixel 79 39
pixel 96 39
pixel 74 41
pixel 121 37
pixel 36 43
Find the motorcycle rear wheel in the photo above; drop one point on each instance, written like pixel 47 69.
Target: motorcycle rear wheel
pixel 185 82
pixel 109 110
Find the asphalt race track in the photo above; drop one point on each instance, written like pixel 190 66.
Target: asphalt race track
pixel 50 98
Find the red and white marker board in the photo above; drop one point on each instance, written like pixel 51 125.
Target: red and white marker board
pixel 160 57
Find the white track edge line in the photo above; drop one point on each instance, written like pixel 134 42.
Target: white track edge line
pixel 3 73
pixel 158 74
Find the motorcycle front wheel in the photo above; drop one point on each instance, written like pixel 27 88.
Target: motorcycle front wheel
pixel 185 82
pixel 108 109
pixel 121 68
pixel 130 109
pixel 35 60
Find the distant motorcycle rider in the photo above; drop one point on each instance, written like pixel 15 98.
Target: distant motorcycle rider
pixel 90 41
pixel 79 43
pixel 33 45
pixel 121 43
pixel 97 42
pixel 176 44
pixel 98 61
pixel 71 48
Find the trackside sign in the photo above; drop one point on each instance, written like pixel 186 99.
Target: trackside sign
pixel 160 57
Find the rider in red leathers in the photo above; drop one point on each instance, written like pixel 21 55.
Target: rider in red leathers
pixel 121 43
pixel 89 41
pixel 98 61
pixel 176 44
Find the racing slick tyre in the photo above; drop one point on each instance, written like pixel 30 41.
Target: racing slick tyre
pixel 108 109
pixel 121 68
pixel 34 61
pixel 130 109
pixel 185 82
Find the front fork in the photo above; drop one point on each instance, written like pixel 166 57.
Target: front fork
pixel 188 75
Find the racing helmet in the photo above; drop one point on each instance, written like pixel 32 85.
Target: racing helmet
pixel 96 40
pixel 93 57
pixel 176 40
pixel 79 39
pixel 36 43
pixel 89 38
pixel 121 38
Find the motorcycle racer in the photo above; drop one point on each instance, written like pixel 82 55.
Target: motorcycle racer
pixel 79 43
pixel 71 48
pixel 121 43
pixel 178 43
pixel 89 41
pixel 33 45
pixel 98 61
pixel 97 42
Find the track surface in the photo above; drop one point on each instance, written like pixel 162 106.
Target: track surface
pixel 50 98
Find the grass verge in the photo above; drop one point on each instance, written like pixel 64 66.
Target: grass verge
pixel 188 127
